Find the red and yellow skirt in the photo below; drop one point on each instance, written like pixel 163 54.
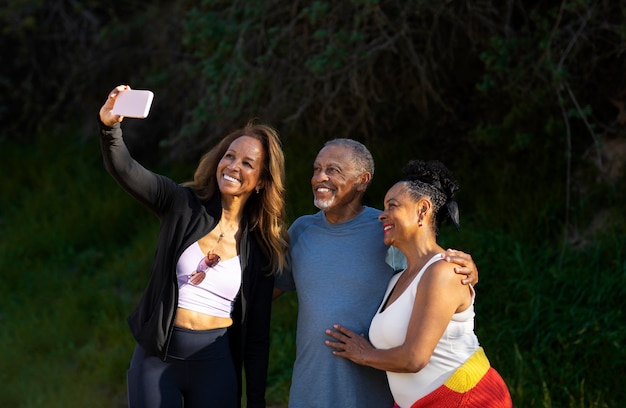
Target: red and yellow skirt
pixel 473 385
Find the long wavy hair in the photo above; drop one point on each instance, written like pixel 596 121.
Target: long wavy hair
pixel 264 211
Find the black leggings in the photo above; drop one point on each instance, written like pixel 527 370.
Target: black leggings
pixel 198 369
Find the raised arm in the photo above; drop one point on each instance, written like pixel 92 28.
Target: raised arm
pixel 145 186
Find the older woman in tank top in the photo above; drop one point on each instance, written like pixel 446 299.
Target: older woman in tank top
pixel 423 333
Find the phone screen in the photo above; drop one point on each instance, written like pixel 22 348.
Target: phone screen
pixel 133 103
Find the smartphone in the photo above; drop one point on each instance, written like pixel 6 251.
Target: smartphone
pixel 134 103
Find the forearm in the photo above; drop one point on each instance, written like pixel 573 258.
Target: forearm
pixel 115 154
pixel 406 358
pixel 397 360
pixel 128 173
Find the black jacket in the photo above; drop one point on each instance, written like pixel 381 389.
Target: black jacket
pixel 183 220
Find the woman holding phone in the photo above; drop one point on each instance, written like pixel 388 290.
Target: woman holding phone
pixel 205 311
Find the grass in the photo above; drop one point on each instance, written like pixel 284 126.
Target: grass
pixel 75 251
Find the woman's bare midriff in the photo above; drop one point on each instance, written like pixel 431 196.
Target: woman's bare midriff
pixel 188 319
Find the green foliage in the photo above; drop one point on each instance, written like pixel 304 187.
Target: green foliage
pixel 551 332
pixel 544 59
pixel 340 68
pixel 70 275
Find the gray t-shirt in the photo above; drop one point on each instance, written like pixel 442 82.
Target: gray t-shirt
pixel 340 274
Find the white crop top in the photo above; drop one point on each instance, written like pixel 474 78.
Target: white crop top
pixel 458 342
pixel 216 293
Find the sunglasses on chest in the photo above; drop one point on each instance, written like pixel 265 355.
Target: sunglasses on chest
pixel 209 261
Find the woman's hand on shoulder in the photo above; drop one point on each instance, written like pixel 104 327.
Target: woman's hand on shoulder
pixel 107 117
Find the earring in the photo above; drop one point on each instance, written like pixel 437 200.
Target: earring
pixel 257 191
pixel 419 224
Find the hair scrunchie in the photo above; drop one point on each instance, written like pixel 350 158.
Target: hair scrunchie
pixel 453 212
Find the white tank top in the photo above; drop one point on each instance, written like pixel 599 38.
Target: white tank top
pixel 458 342
pixel 216 293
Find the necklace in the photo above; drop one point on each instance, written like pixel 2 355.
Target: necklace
pixel 222 233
